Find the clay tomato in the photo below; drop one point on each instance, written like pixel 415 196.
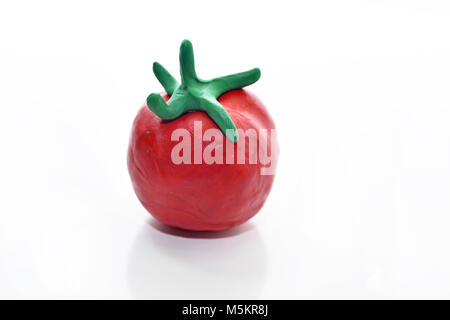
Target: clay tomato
pixel 173 135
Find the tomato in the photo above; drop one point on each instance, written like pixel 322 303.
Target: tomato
pixel 196 194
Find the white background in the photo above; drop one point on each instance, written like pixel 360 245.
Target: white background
pixel 360 93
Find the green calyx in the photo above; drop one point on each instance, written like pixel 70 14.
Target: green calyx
pixel 195 94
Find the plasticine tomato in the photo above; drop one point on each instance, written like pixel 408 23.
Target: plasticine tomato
pixel 202 156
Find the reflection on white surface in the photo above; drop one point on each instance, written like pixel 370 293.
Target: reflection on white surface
pixel 171 263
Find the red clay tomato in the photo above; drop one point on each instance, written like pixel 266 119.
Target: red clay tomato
pixel 202 196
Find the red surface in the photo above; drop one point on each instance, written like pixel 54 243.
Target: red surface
pixel 198 196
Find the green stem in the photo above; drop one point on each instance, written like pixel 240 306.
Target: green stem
pixel 165 78
pixel 195 94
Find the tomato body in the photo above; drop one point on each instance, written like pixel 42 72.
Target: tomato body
pixel 201 196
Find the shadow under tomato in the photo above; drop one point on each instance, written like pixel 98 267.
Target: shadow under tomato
pixel 170 263
pixel 201 234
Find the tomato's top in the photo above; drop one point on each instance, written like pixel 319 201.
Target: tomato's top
pixel 196 94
